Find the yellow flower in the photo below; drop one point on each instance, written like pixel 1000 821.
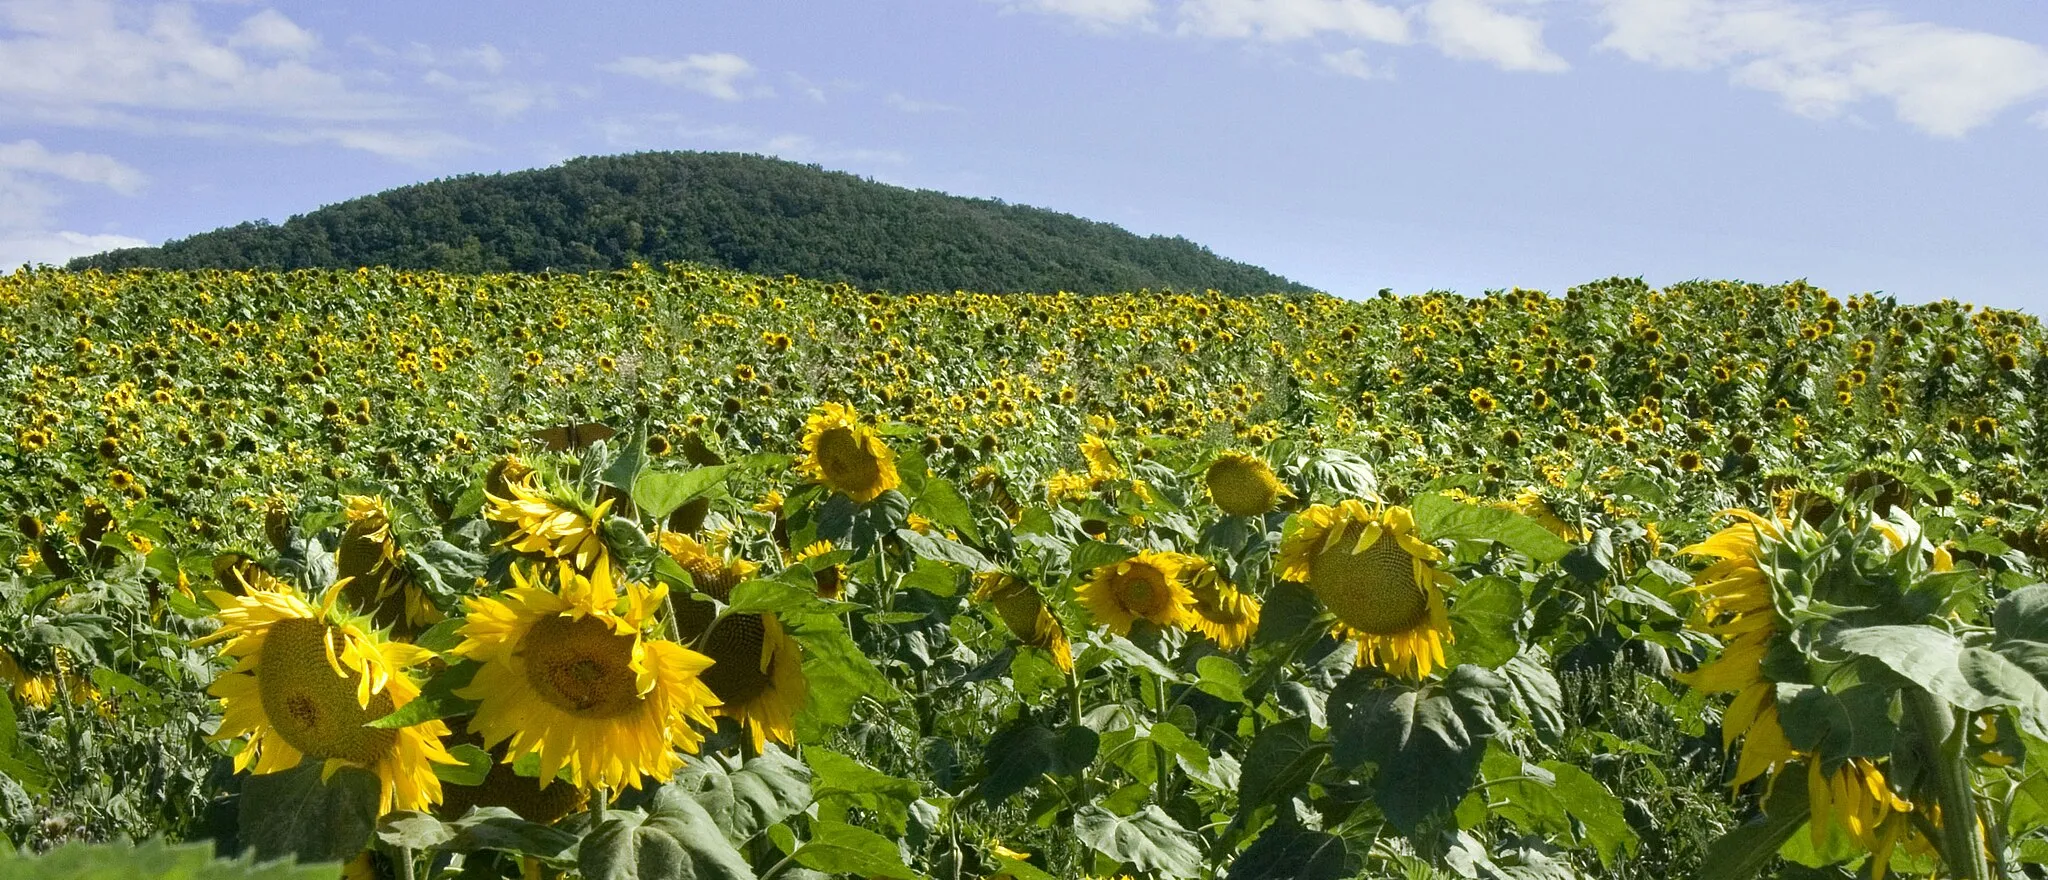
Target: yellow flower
pixel 1379 577
pixel 1857 798
pixel 306 683
pixel 1221 612
pixel 846 456
pixel 1147 586
pixel 1102 463
pixel 1024 612
pixel 379 585
pixel 549 526
pixel 757 673
pixel 1736 603
pixel 1065 486
pixel 572 675
pixel 1243 484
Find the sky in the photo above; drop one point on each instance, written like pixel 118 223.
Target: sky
pixel 1353 145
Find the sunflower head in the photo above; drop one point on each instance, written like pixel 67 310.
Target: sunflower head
pixel 757 673
pixel 714 573
pixel 571 674
pixel 1221 612
pixel 306 683
pixel 1243 484
pixel 1102 463
pixel 1024 612
pixel 378 583
pixel 1147 586
pixel 1372 570
pixel 551 525
pixel 846 456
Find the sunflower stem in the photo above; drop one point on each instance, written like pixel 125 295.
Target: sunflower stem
pixel 600 802
pixel 405 868
pixel 1159 755
pixel 1962 840
pixel 1073 698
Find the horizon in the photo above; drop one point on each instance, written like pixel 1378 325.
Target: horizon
pixel 1460 145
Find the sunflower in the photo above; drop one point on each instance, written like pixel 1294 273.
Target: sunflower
pixel 757 673
pixel 378 583
pixel 1024 612
pixel 1857 798
pixel 1378 576
pixel 306 683
pixel 1102 463
pixel 1243 484
pixel 714 574
pixel 846 456
pixel 1147 586
pixel 831 579
pixel 551 526
pixel 1228 617
pixel 571 675
pixel 1736 603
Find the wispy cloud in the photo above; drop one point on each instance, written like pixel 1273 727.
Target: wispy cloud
pixel 911 105
pixel 1479 30
pixel 721 75
pixel 1095 13
pixel 1823 62
pixel 27 200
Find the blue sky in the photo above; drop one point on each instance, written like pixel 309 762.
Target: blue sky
pixel 1349 144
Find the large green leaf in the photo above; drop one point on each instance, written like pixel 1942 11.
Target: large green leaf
pixel 745 798
pixel 1437 516
pixel 498 828
pixel 1747 850
pixel 294 814
pixel 1427 742
pixel 1022 753
pixel 1281 760
pixel 1148 840
pixel 1483 620
pixel 941 503
pixel 839 783
pixel 153 860
pixel 21 765
pixel 1597 810
pixel 2023 614
pixel 1294 853
pixel 659 493
pixel 1855 722
pixel 839 848
pixel 2013 672
pixel 675 840
pixel 437 698
pixel 1536 690
pixel 1924 655
pixel 837 671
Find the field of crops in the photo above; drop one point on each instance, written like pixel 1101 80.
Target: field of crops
pixel 677 573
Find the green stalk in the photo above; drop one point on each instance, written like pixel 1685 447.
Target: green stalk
pixel 1073 698
pixel 1164 781
pixel 1962 844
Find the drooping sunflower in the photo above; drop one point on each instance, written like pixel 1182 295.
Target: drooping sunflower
pixel 551 526
pixel 572 675
pixel 1221 612
pixel 1857 798
pixel 831 579
pixel 306 683
pixel 1102 463
pixel 1147 586
pixel 1243 484
pixel 846 456
pixel 757 673
pixel 1024 612
pixel 379 584
pixel 1736 603
pixel 1372 570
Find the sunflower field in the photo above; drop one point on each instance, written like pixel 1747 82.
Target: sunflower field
pixel 681 573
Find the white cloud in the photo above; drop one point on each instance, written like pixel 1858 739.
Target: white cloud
pixel 55 248
pixel 719 74
pixel 1822 62
pixel 269 31
pixel 1353 63
pixel 1286 20
pixel 910 105
pixel 96 168
pixel 1475 30
pixel 27 201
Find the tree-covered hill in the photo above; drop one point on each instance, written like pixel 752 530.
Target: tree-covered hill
pixel 737 211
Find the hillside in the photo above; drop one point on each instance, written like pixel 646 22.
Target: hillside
pixel 749 213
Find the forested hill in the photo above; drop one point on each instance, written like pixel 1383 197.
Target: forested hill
pixel 744 212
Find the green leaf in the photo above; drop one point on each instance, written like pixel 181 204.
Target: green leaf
pixel 743 799
pixel 1092 555
pixel 1536 690
pixel 414 830
pixel 151 860
pixel 1437 517
pixel 476 764
pixel 1148 840
pixel 659 493
pixel 1926 656
pixel 839 848
pixel 943 549
pixel 677 840
pixel 1427 742
pixel 838 673
pixel 436 700
pixel 1597 809
pixel 1855 722
pixel 1744 852
pixel 839 783
pixel 1294 853
pixel 941 503
pixel 772 597
pixel 500 829
pixel 625 469
pixel 1344 472
pixel 1016 758
pixel 1281 760
pixel 2014 673
pixel 293 814
pixel 1483 620
pixel 2023 614
pixel 1220 678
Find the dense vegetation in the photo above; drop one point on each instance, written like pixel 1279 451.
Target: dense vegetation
pixel 1160 585
pixel 754 214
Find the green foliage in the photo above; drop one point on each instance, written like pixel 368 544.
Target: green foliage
pixel 153 860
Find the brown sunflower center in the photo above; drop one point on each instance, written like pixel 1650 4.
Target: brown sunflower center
pixel 1242 488
pixel 581 666
pixel 311 707
pixel 734 646
pixel 845 461
pixel 1375 591
pixel 1142 590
